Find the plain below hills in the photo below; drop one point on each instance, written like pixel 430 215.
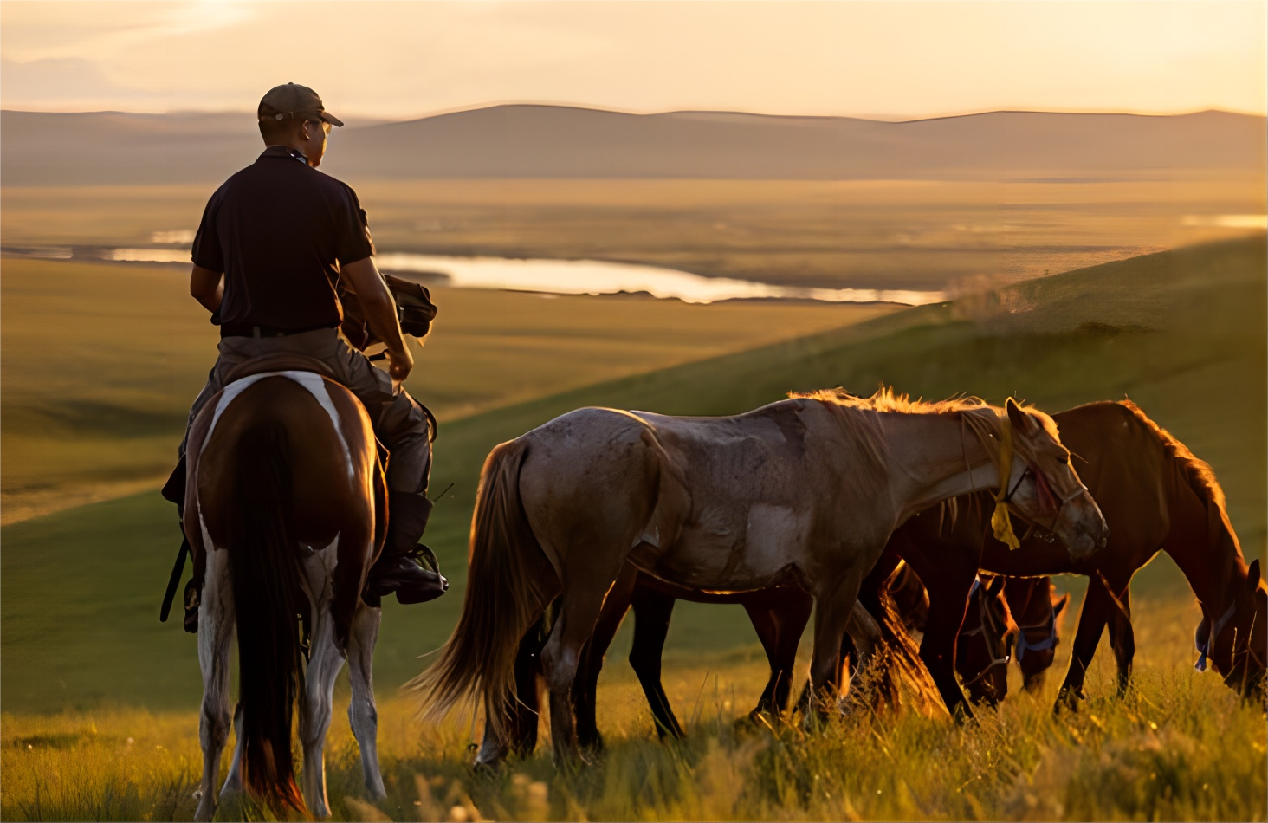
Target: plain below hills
pixel 1182 333
pixel 538 141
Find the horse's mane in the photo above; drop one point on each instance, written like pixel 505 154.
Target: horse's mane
pixel 979 416
pixel 887 400
pixel 1197 473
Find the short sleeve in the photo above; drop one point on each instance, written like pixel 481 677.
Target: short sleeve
pixel 206 252
pixel 352 234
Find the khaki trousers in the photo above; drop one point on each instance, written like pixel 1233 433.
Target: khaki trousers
pixel 399 421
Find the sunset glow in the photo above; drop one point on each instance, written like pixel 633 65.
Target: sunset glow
pixel 402 59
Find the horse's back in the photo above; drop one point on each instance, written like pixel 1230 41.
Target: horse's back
pixel 322 429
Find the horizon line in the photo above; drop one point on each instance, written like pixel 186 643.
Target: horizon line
pixel 867 116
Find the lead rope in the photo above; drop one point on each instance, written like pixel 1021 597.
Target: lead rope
pixel 1001 523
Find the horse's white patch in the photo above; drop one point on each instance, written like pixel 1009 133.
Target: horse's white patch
pixel 316 387
pixel 775 534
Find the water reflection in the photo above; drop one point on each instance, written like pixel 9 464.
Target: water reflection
pixel 598 277
pixel 585 277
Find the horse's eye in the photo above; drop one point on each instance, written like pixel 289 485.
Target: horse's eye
pixel 1063 459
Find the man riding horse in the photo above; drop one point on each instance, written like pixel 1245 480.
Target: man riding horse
pixel 278 245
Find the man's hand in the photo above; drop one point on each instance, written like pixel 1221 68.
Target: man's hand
pixel 400 364
pixel 380 314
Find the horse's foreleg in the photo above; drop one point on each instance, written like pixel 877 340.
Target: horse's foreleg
pixel 363 715
pixel 791 618
pixel 948 602
pixel 324 664
pixel 834 602
pixel 1097 610
pixel 215 630
pixel 764 623
pixel 652 611
pixel 1123 641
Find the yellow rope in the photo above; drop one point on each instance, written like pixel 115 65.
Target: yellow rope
pixel 1001 523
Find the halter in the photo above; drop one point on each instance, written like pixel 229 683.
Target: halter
pixel 981 627
pixel 1050 642
pixel 1204 649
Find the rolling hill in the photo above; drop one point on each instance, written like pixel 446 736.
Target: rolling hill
pixel 530 141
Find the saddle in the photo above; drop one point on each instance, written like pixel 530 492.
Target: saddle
pixel 278 361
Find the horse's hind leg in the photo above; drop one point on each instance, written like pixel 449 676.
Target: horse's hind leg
pixel 324 664
pixel 561 657
pixel 586 686
pixel 233 781
pixel 652 611
pixel 362 713
pixel 215 630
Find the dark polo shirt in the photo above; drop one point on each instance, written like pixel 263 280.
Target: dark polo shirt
pixel 278 230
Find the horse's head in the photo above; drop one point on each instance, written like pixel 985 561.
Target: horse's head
pixel 985 644
pixel 1044 489
pixel 1037 610
pixel 1237 641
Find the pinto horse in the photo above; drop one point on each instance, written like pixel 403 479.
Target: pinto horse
pixel 284 510
pixel 805 490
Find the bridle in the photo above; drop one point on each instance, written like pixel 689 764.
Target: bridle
pixel 981 630
pixel 1049 642
pixel 1001 523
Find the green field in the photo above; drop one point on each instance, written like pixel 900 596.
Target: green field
pixel 101 363
pixel 1182 333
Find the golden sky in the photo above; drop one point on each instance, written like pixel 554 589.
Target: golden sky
pixel 833 57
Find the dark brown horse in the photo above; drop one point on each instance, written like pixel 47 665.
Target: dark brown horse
pixel 1156 495
pixel 282 512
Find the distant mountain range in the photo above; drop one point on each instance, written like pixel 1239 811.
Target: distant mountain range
pixel 560 142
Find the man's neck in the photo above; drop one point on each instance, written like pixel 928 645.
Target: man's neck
pixel 295 147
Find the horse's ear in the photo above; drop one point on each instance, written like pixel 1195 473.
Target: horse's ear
pixel 995 587
pixel 1020 420
pixel 1060 604
pixel 1253 574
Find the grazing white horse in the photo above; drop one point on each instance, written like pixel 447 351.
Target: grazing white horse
pixel 284 514
pixel 806 490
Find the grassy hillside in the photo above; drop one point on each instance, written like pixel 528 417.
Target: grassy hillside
pixel 1183 333
pixel 101 363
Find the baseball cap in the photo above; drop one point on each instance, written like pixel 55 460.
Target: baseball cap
pixel 292 99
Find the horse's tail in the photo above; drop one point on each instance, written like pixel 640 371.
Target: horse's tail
pixel 509 583
pixel 272 612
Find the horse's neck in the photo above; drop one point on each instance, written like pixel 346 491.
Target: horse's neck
pixel 1205 552
pixel 934 457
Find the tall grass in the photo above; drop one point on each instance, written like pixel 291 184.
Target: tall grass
pixel 1178 746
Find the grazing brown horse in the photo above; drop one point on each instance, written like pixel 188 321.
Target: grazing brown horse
pixel 1156 495
pixel 1037 609
pixel 806 491
pixel 284 511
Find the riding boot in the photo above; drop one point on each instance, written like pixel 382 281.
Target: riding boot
pixel 406 566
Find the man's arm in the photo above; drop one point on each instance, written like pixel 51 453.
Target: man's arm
pixel 380 313
pixel 207 287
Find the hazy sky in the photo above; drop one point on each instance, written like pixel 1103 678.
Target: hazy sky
pixel 401 59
